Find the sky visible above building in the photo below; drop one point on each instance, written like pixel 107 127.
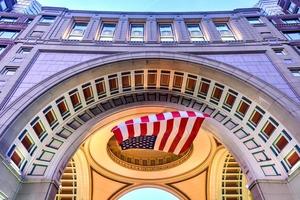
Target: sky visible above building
pixel 151 5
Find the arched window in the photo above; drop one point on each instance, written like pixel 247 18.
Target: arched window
pixel 148 194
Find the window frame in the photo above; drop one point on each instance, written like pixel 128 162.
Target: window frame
pixel 106 38
pixel 137 37
pixel 225 37
pixel 76 36
pixel 195 38
pixel 162 38
pixel 253 22
pixel 14 36
pixel 44 19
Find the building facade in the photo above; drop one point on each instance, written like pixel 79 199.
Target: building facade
pixel 68 76
pixel 289 6
pixel 269 7
pixel 7 5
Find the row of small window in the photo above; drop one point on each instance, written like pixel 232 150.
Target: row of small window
pixel 137 32
pixel 13 19
pixel 293 8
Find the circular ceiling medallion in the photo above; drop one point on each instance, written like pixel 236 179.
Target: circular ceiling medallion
pixel 144 159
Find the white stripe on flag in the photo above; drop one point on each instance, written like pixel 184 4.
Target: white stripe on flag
pixel 162 130
pixel 124 131
pixel 172 134
pixel 186 134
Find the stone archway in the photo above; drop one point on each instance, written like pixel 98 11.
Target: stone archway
pixel 100 89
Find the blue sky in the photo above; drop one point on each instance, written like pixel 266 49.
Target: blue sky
pixel 148 194
pixel 150 5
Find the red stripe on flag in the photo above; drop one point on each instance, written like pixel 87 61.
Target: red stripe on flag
pixel 130 130
pixel 193 134
pixel 181 129
pixel 156 128
pixel 175 114
pixel 167 133
pixel 191 113
pixel 143 128
pixel 145 119
pixel 160 116
pixel 118 135
pixel 129 121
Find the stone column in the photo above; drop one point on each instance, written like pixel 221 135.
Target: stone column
pixel 121 31
pixel 270 190
pixel 210 30
pixel 152 32
pixel 39 189
pixel 181 31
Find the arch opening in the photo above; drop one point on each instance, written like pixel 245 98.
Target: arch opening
pixel 148 193
pixel 105 90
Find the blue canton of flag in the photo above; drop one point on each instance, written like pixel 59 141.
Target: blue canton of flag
pixel 141 142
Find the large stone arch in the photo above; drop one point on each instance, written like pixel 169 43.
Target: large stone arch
pixel 70 130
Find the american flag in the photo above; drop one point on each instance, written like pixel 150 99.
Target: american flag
pixel 172 132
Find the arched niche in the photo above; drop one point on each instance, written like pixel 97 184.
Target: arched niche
pixel 74 124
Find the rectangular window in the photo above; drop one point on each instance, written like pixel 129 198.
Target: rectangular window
pixel 292 35
pixel 152 77
pixel 25 50
pixel 2 49
pixel 3 5
pixel 77 31
pixel 100 87
pixel 292 158
pixel 88 93
pixel 107 32
pixel 17 158
pixel 139 79
pixel 75 99
pixel 165 79
pixel 8 34
pixel 37 34
pixel 27 142
pixel 217 93
pixel 203 88
pixel 126 80
pixel 47 19
pixel 295 72
pixel 279 52
pixel 291 21
pixel 51 117
pixel 9 71
pixel 254 20
pixel 292 7
pixel 166 33
pixel 63 107
pixel 195 32
pixel 137 32
pixel 38 129
pixel 280 143
pixel 8 19
pixel 225 32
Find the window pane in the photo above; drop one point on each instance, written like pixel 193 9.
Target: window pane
pixel 78 30
pixel 290 21
pixel 47 19
pixel 137 32
pixel 195 32
pixel 10 34
pixel 166 32
pixel 8 19
pixel 293 35
pixel 108 31
pixel 2 48
pixel 225 32
pixel 254 20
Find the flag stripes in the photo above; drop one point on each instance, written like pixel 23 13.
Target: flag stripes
pixel 174 132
